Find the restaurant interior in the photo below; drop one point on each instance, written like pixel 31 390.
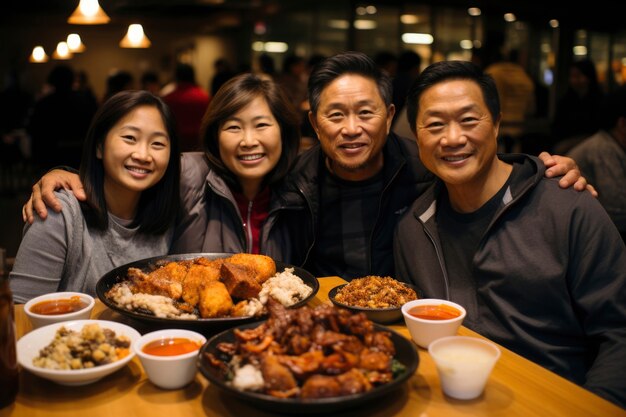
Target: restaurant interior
pixel 546 37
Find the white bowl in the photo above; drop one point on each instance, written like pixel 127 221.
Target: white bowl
pixel 424 331
pixel 29 345
pixel 170 372
pixel 39 320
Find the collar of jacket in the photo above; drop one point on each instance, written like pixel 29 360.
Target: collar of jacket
pixel 426 205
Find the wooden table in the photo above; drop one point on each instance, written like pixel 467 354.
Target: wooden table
pixel 517 387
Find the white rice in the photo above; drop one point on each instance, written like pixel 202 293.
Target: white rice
pixel 285 287
pixel 248 378
pixel 159 305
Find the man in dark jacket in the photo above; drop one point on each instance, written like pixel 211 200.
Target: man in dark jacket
pixel 539 270
pixel 361 178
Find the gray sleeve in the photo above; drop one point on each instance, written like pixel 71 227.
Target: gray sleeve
pixel 40 260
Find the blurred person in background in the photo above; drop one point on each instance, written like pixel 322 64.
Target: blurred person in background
pixel 409 63
pixel 223 73
pixel 118 80
pixel 150 82
pixel 602 158
pixel 59 121
pixel 517 99
pixel 130 172
pixel 188 102
pixel 577 113
pixel 539 270
pixel 15 103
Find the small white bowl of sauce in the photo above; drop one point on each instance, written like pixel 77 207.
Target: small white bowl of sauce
pixel 429 319
pixel 169 357
pixel 58 307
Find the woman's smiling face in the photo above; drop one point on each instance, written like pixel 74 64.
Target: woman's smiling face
pixel 136 151
pixel 250 143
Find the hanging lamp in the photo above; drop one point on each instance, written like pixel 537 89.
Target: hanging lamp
pixel 38 56
pixel 88 12
pixel 62 52
pixel 75 44
pixel 135 37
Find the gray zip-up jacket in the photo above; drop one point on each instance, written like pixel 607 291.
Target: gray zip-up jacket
pixel 209 220
pixel 550 277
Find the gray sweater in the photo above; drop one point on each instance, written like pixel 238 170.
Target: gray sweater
pixel 63 254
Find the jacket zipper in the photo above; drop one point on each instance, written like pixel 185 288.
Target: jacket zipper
pixel 308 203
pixel 369 245
pixel 440 260
pixel 236 208
pixel 248 228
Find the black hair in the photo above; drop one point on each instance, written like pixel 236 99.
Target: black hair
pixel 614 107
pixel 450 70
pixel 347 63
pixel 233 96
pixel 158 205
pixel 185 73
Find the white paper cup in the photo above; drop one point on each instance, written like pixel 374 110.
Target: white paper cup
pixel 464 364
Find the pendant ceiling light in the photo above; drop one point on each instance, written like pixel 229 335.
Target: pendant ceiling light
pixel 75 44
pixel 39 55
pixel 62 52
pixel 88 12
pixel 135 38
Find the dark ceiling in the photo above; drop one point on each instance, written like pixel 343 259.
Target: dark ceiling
pixel 597 15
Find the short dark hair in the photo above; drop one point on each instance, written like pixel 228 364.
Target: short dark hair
pixel 347 63
pixel 613 107
pixel 450 70
pixel 233 96
pixel 158 205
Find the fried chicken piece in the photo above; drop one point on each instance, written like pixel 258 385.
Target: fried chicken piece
pixel 155 284
pixel 240 281
pixel 321 386
pixel 197 276
pixel 215 300
pixel 174 271
pixel 263 266
pixel 353 382
pixel 277 377
pixel 374 361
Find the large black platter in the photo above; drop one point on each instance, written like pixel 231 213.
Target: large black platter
pixel 405 353
pixel 204 325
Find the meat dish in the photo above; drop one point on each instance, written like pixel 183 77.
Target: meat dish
pixel 200 287
pixel 308 353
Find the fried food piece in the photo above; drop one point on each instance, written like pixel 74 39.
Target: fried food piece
pixel 353 382
pixel 277 377
pixel 173 271
pixel 197 276
pixel 321 386
pixel 155 284
pixel 240 281
pixel 263 266
pixel 215 300
pixel 374 361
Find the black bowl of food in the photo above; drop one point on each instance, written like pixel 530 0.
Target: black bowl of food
pixel 139 291
pixel 300 377
pixel 380 298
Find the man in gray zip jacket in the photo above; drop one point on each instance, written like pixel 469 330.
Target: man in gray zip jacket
pixel 540 270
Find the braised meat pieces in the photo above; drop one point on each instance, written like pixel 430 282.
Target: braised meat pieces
pixel 308 353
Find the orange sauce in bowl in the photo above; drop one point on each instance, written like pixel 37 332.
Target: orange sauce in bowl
pixel 435 312
pixel 171 346
pixel 60 306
